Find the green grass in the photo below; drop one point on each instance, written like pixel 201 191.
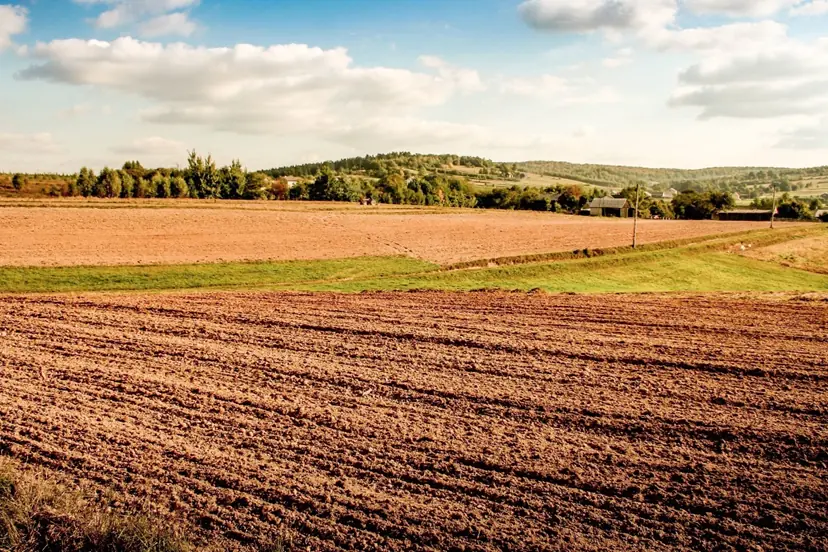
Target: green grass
pixel 199 276
pixel 701 264
pixel 666 271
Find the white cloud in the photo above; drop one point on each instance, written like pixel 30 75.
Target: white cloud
pixel 154 145
pixel 622 57
pixel 13 20
pixel 806 138
pixel 171 24
pixel 29 143
pixel 251 89
pixel 408 133
pixel 740 8
pixel 784 77
pixel 732 37
pixel 597 15
pixel 75 111
pixel 127 12
pixel 817 7
pixel 559 90
pixel 584 131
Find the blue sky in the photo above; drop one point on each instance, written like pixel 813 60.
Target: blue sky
pixel 680 83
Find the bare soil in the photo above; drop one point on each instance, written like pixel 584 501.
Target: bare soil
pixel 65 235
pixel 429 421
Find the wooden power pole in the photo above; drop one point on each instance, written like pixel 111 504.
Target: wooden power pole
pixel 773 207
pixel 635 215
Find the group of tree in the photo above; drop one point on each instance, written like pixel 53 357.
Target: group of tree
pixel 201 179
pixel 788 207
pixel 378 166
pixel 394 188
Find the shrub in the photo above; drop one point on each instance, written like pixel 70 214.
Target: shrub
pixel 18 181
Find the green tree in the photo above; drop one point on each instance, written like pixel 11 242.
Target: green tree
pixel 202 176
pixel 108 183
pixel 127 185
pixel 134 169
pixel 161 185
pixel 86 182
pixel 256 186
pixel 18 181
pixel 178 187
pixel 235 180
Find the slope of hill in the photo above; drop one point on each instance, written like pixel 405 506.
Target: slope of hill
pixel 748 181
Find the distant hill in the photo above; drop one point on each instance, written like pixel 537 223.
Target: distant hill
pixel 747 181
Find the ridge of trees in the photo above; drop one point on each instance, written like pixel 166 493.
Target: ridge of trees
pixel 438 180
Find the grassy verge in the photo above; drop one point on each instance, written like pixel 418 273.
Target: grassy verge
pixel 37 514
pixel 700 264
pixel 663 271
pixel 196 276
pixel 756 237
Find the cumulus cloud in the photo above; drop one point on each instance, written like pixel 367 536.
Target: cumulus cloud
pixel 251 89
pixel 597 15
pixel 171 24
pixel 154 17
pixel 787 77
pixel 559 90
pixel 29 143
pixel 806 138
pixel 154 145
pixel 622 57
pixel 740 8
pixel 735 36
pixel 13 21
pixel 816 7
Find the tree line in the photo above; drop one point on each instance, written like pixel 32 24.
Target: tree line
pixel 395 178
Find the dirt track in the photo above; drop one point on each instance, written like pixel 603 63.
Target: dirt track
pixel 62 235
pixel 435 421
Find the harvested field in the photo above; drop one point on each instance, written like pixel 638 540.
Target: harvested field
pixel 57 236
pixel 428 421
pixel 806 254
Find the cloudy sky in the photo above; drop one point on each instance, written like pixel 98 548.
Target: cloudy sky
pixel 680 83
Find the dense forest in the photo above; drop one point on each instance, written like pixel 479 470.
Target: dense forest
pixel 445 180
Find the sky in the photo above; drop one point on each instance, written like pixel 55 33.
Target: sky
pixel 660 83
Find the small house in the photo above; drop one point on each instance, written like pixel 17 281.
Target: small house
pixel 758 215
pixel 822 215
pixel 610 207
pixel 292 181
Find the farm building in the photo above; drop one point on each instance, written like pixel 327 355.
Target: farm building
pixel 292 181
pixel 666 196
pixel 609 207
pixel 822 215
pixel 746 214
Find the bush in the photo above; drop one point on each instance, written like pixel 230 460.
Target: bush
pixel 18 181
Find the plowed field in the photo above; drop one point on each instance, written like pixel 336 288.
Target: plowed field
pixel 56 236
pixel 429 421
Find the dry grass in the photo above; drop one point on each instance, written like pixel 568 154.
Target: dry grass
pixel 37 514
pixel 809 254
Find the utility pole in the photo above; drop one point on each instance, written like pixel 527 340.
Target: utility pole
pixel 635 220
pixel 773 208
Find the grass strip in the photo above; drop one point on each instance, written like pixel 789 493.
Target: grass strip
pixel 200 276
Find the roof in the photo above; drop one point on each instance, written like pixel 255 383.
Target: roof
pixel 608 203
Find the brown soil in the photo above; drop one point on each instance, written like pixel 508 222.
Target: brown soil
pixel 62 235
pixel 428 421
